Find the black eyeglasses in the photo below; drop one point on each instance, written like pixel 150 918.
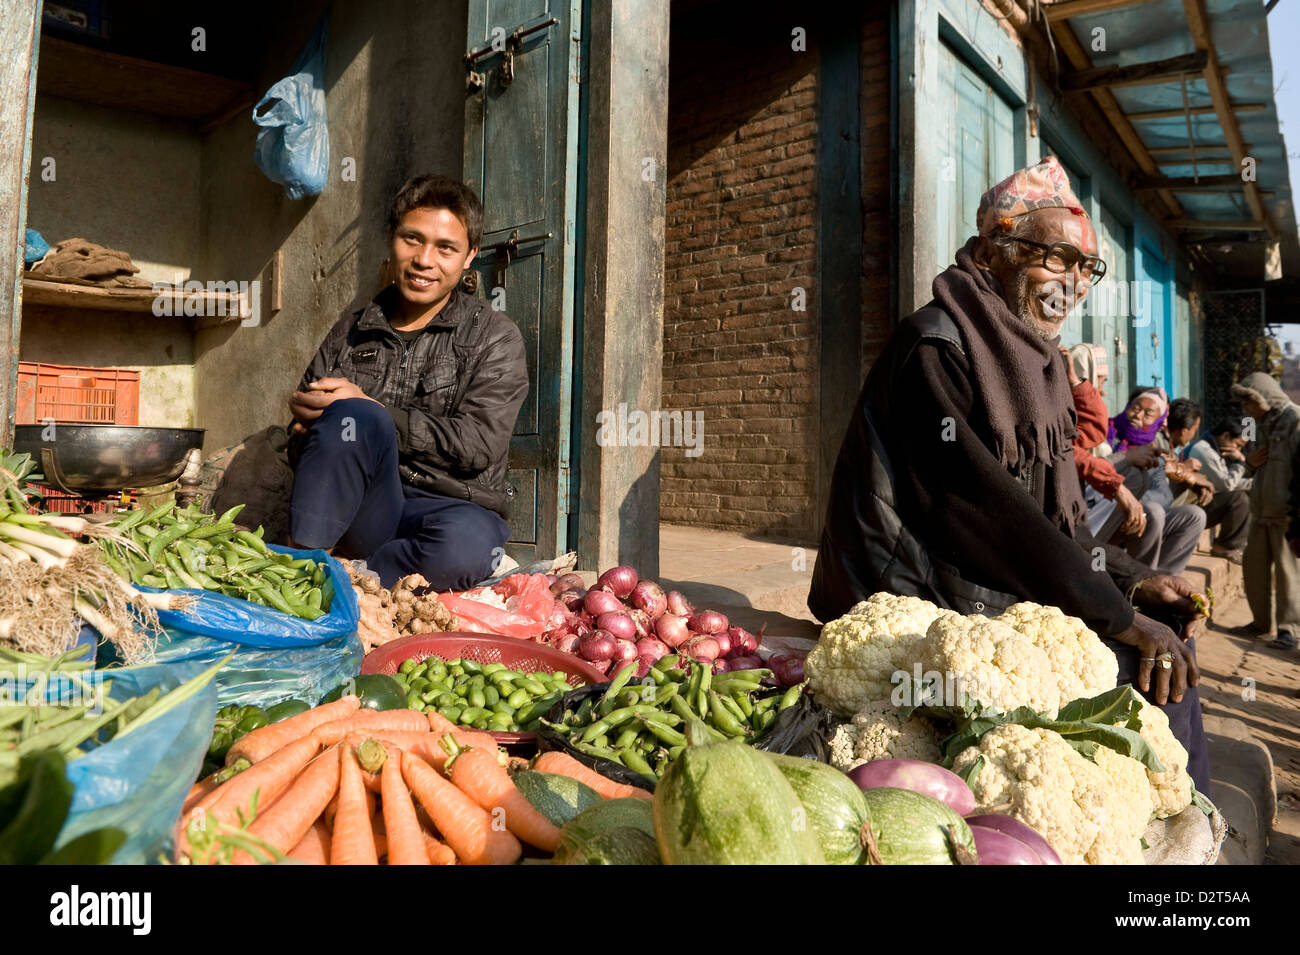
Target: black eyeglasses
pixel 1060 257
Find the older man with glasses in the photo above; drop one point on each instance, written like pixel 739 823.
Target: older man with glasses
pixel 956 481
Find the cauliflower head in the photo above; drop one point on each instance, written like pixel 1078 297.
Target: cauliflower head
pixel 989 662
pixel 1171 790
pixel 877 731
pixel 858 654
pixel 1090 813
pixel 1084 666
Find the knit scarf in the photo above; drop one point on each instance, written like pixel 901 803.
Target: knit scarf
pixel 1020 383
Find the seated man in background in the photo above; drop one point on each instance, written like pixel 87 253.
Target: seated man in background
pixel 1222 456
pixel 402 422
pixel 1228 511
pixel 1172 531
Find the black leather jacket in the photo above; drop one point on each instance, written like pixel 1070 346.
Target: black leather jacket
pixel 454 392
pixel 874 538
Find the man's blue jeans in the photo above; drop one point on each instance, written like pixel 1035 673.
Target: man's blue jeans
pixel 347 494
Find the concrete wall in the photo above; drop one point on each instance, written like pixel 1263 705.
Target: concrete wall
pixel 395 83
pixel 130 182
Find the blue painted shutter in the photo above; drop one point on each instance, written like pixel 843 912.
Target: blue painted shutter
pixel 976 148
pixel 1111 325
pixel 521 132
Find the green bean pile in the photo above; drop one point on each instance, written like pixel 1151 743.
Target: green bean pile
pixel 176 548
pixel 55 703
pixel 643 726
pixel 484 696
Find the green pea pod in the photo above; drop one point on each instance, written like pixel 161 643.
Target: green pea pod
pixel 621 678
pixel 208 531
pixel 175 532
pixel 665 733
pixel 791 697
pixel 314 598
pixel 627 737
pixel 743 703
pixel 273 598
pixel 706 682
pixel 130 520
pixel 230 515
pixel 666 663
pixel 476 698
pixel 252 541
pixel 730 705
pixel 636 762
pixel 723 719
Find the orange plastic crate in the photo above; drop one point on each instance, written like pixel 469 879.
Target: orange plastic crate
pixel 71 394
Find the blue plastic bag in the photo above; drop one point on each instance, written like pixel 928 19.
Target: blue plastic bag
pixel 34 248
pixel 277 656
pixel 138 783
pixel 293 146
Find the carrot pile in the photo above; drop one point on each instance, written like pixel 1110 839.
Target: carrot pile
pixel 338 785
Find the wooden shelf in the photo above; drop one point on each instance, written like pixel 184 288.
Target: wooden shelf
pixel 88 75
pixel 75 295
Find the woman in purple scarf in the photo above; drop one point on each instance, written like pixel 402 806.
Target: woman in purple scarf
pixel 1140 422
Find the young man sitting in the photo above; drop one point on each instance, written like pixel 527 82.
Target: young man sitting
pixel 403 419
pixel 1228 510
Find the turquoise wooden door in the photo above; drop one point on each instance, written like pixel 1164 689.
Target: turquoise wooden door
pixel 1075 328
pixel 521 156
pixel 976 149
pixel 1151 319
pixel 1109 322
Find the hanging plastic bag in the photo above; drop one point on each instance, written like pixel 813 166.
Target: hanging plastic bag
pixel 277 656
pixel 293 146
pixel 138 783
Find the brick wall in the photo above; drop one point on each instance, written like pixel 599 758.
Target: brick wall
pixel 877 223
pixel 740 237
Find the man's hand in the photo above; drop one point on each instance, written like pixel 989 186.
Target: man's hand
pixel 1193 463
pixel 1166 590
pixel 306 406
pixel 1258 457
pixel 1231 454
pixel 1154 642
pixel 1143 457
pixel 1135 521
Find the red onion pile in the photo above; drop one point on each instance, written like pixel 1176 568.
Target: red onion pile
pixel 623 618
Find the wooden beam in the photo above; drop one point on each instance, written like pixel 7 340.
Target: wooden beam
pixel 1195 111
pixel 19 30
pixel 1191 183
pixel 1064 9
pixel 1210 152
pixel 1110 107
pixel 1213 225
pixel 1198 22
pixel 1157 71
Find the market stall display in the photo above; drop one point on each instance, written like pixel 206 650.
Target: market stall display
pixel 50 582
pixel 407 609
pixel 1024 707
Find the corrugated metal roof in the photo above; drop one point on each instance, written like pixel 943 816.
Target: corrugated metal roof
pixel 1155 31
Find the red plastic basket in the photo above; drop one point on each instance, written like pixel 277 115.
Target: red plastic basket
pixel 483 648
pixel 73 394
